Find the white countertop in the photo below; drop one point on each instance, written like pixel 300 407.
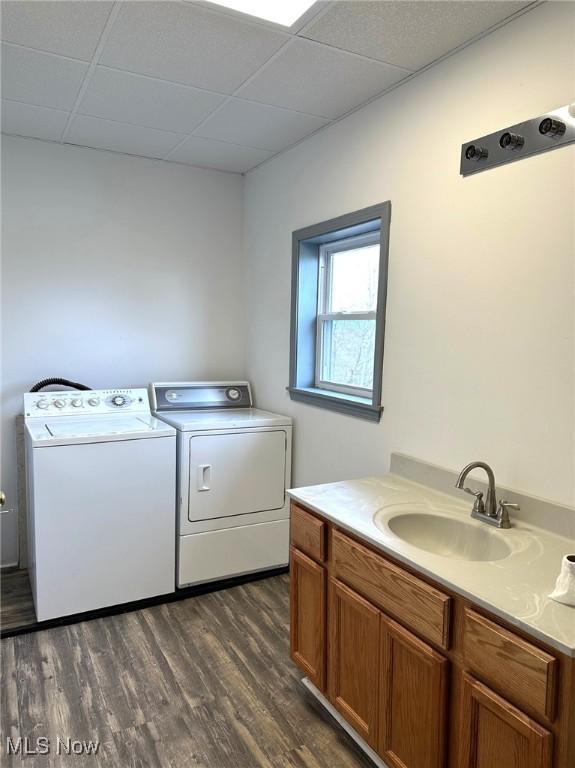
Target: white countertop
pixel 515 588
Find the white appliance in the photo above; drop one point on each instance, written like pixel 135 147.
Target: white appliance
pixel 233 468
pixel 101 524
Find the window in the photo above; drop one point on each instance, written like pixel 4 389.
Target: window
pixel 346 316
pixel 339 282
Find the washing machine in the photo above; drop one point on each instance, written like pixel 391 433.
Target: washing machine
pixel 101 473
pixel 233 468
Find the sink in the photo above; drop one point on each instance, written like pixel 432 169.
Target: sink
pixel 446 536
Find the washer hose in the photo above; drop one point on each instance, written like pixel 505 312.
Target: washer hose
pixel 56 380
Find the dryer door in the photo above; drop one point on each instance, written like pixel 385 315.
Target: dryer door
pixel 236 473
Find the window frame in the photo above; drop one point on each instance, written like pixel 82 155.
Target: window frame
pixel 325 314
pixel 306 244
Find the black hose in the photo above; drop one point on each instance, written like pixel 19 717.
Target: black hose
pixel 56 380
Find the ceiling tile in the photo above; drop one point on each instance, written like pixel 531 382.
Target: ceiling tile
pixel 408 34
pixel 258 125
pixel 119 137
pixel 319 80
pixel 36 122
pixel 216 154
pixel 70 28
pixel 142 100
pixel 188 44
pixel 40 78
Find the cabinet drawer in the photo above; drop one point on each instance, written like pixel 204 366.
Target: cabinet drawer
pixel 308 533
pixel 416 604
pixel 523 673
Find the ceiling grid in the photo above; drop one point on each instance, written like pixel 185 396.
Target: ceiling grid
pixel 195 83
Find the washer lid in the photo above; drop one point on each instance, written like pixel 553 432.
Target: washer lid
pixel 75 430
pixel 99 426
pixel 242 418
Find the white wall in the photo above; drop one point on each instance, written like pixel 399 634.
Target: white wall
pixel 116 271
pixel 119 270
pixel 479 350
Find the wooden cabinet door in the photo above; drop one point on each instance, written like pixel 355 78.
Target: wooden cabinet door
pixel 308 616
pixel 353 659
pixel 494 733
pixel 413 700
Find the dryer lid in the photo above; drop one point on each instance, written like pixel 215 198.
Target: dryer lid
pixel 247 418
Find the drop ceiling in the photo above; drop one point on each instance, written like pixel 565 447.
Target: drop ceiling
pixel 194 83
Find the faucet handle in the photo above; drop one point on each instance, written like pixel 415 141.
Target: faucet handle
pixel 508 505
pixel 478 506
pixel 503 513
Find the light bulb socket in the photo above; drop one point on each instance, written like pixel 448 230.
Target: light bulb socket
pixel 551 127
pixel 510 140
pixel 474 152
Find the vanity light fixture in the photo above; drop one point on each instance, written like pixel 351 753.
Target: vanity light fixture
pixel 284 12
pixel 540 134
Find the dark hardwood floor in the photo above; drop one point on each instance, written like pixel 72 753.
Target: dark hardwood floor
pixel 16 602
pixel 204 682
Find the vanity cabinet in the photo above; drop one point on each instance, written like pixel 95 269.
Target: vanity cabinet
pixel 524 672
pixel 424 677
pixel 413 696
pixel 392 588
pixel 495 733
pixel 353 678
pixel 385 682
pixel 308 616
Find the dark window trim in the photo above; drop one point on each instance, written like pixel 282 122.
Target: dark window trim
pixel 305 255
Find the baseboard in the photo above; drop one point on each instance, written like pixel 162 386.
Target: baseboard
pixel 363 745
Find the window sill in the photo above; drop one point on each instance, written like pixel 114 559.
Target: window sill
pixel 360 407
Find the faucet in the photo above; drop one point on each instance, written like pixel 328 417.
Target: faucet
pixel 487 511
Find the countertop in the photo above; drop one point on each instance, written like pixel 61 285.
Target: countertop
pixel 515 588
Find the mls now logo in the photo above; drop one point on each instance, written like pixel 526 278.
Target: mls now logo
pixel 43 746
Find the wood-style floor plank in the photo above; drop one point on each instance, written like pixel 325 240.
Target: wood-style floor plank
pixel 201 683
pixel 16 601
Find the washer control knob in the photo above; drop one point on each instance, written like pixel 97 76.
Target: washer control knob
pixel 42 404
pixel 118 400
pixel 59 403
pixel 94 401
pixel 233 394
pixel 77 402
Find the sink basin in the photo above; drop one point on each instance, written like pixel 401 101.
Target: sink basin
pixel 447 537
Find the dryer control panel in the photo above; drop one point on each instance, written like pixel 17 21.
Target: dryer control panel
pixel 92 402
pixel 200 395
